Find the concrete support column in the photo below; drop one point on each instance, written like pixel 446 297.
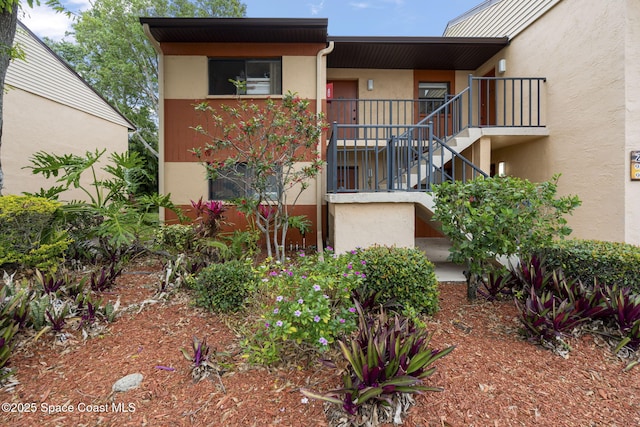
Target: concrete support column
pixel 481 153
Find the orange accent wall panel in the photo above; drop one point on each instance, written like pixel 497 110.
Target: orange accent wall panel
pixel 231 50
pixel 181 118
pixel 423 229
pixel 237 221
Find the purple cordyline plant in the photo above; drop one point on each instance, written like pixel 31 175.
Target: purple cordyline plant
pixel 390 355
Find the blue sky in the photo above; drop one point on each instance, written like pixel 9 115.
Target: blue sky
pixel 416 18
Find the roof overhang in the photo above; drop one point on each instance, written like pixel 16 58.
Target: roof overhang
pixel 414 53
pixel 428 53
pixel 237 30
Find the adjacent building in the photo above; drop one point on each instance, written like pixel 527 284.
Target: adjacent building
pixel 49 107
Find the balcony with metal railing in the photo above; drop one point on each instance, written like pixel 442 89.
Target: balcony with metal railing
pixel 383 145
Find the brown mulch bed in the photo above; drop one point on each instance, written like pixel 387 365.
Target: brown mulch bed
pixel 492 378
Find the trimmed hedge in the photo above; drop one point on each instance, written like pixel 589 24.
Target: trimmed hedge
pixel 401 274
pixel 591 261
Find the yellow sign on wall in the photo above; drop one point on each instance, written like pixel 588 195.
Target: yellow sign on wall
pixel 635 165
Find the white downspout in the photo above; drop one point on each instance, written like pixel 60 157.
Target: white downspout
pixel 321 94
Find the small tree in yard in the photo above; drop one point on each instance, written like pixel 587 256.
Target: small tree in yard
pixel 505 216
pixel 268 154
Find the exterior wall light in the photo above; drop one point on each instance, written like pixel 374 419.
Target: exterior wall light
pixel 502 66
pixel 370 84
pixel 501 169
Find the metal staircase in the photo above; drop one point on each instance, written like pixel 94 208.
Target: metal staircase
pixel 386 155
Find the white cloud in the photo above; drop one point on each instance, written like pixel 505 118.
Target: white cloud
pixel 360 5
pixel 316 8
pixel 45 22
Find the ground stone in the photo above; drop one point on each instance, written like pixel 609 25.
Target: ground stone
pixel 127 383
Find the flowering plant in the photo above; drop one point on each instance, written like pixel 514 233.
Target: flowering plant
pixel 310 305
pixel 209 215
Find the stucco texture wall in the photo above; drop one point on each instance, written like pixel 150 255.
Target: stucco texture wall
pixel 579 46
pixel 33 123
pixel 632 120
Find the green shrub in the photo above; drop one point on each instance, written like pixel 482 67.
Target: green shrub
pixel 592 261
pixel 401 274
pixel 175 238
pixel 224 287
pixel 29 235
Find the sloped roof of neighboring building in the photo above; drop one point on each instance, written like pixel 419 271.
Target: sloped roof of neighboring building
pixel 464 53
pixel 45 74
pixel 498 18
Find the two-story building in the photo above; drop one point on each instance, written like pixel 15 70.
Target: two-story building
pixel 525 88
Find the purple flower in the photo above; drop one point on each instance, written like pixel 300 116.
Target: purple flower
pixel 363 262
pixel 353 252
pixel 267 324
pixel 342 320
pixel 323 341
pixel 302 254
pixel 297 313
pixel 349 266
pixel 300 301
pixel 329 248
pixel 276 310
pixel 316 318
pixel 316 287
pixel 325 296
pixel 290 273
pixel 279 298
pixel 304 276
pixel 279 323
pixel 273 273
pixel 352 309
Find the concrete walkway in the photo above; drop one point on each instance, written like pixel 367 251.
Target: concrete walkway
pixel 437 250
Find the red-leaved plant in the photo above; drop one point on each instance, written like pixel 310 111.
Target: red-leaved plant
pixel 388 357
pixel 209 216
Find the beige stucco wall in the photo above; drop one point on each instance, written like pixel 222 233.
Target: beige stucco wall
pixel 185 77
pixel 578 47
pixel 33 123
pixel 185 181
pixel 298 75
pixel 354 225
pixel 632 120
pixel 387 84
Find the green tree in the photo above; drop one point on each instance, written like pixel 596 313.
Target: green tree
pixel 8 24
pixel 268 153
pixel 488 218
pixel 113 54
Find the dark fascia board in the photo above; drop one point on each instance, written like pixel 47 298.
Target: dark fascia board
pixel 240 30
pixel 443 53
